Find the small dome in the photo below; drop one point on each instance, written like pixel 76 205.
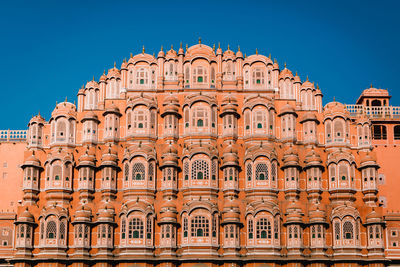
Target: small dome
pixel 103 77
pixel 32 160
pixel 112 109
pixel 161 53
pixel 373 217
pixel 317 214
pixel 113 73
pixel 64 109
pixel 26 216
pixel 90 115
pixel 368 160
pixel 297 78
pixel 229 54
pixel 287 109
pixel 37 119
pixel 312 158
pixel 239 53
pixel 171 53
pixel 92 84
pixel 285 73
pixel 307 85
pixel 83 214
pixel 309 116
pixel 333 108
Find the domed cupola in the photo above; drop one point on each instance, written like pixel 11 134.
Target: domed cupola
pixel 83 214
pixel 113 73
pixel 109 156
pixel 106 213
pixel 312 159
pixel 287 109
pixel 168 212
pixel 368 159
pixel 231 211
pixel 230 156
pixel 88 158
pixel 170 157
pixel 66 109
pixel 171 106
pixel 229 106
pixel 239 53
pixel 26 217
pixel 317 214
pixel 294 213
pixel 290 158
pixel 171 54
pixel 161 54
pixel 285 74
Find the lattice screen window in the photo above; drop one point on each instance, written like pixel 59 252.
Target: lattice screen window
pixel 199 227
pixel 200 170
pixel 138 171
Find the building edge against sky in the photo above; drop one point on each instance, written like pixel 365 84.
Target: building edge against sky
pixel 203 155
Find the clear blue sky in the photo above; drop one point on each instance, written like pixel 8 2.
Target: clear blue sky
pixel 48 49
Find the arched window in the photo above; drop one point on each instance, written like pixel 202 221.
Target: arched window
pixel 258 77
pixel 200 226
pixel 261 171
pixel 348 231
pixel 51 230
pixel 142 76
pixel 200 169
pixel 138 171
pixel 199 75
pixel 140 119
pixel 135 228
pixel 263 228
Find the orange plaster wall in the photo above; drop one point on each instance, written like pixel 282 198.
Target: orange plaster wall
pixel 11 158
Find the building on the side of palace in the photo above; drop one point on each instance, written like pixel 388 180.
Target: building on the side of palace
pixel 202 157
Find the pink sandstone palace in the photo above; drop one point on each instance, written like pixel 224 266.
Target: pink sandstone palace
pixel 203 157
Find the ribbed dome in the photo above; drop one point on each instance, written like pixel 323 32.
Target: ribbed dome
pixel 92 84
pixel 373 217
pixel 285 73
pixel 287 109
pixel 309 116
pixel 26 217
pixel 37 119
pixel 64 109
pixel 90 115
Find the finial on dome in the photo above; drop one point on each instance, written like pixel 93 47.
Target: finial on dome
pixel 317 86
pixel 219 45
pixel 66 99
pixel 104 72
pixel 238 48
pixel 285 65
pixel 162 48
pixel 256 51
pixel 214 47
pixel 172 47
pixel 296 73
pixel 154 54
pixel 180 45
pixel 115 64
pixel 245 55
pixel 131 55
pixel 228 47
pixel 269 56
pixel 143 50
pixel 275 60
pixel 199 40
pixel 334 99
pixel 371 85
pixel 93 78
pixel 186 47
pixel 307 78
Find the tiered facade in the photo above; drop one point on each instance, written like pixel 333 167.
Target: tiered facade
pixel 200 157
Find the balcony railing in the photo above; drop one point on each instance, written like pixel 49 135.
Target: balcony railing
pixel 13 135
pixel 389 112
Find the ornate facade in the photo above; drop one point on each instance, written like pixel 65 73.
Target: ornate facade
pixel 200 156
